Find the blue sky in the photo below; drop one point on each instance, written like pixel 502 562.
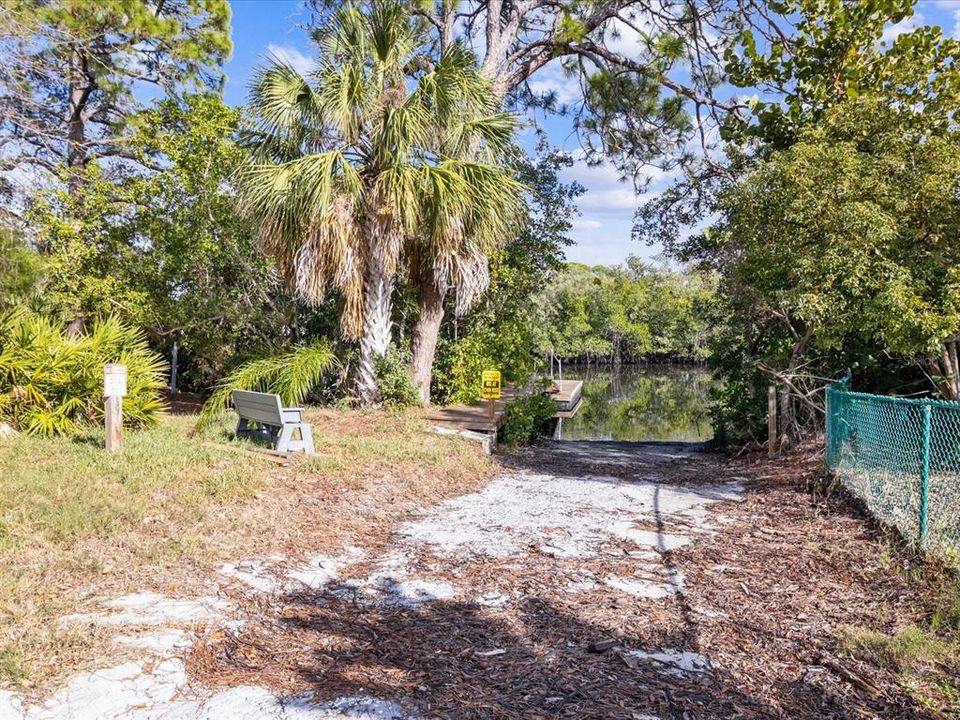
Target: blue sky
pixel 602 231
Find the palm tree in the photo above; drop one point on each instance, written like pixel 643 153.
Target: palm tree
pixel 361 162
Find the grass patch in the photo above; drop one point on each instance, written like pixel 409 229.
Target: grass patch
pixel 925 657
pixel 78 525
pixel 75 519
pixel 909 649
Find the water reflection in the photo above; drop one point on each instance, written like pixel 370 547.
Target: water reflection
pixel 640 402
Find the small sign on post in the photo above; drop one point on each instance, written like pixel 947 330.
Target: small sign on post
pixel 114 389
pixel 490 389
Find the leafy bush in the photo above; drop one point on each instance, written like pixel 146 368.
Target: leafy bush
pixel 738 412
pixel 526 418
pixel 52 384
pixel 393 380
pixel 504 344
pixel 291 375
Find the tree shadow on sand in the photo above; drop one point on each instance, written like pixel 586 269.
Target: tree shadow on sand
pixel 547 654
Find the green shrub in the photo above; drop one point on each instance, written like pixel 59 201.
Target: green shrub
pixel 526 418
pixel 52 384
pixel 393 380
pixel 291 375
pixel 738 411
pixel 504 346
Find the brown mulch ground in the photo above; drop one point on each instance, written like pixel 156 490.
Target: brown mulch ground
pixel 764 598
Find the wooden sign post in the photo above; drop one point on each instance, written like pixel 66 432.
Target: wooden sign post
pixel 114 388
pixel 490 389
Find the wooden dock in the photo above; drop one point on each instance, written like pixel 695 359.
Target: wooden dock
pixel 477 418
pixel 568 395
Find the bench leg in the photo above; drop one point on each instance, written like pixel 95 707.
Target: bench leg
pixel 284 439
pixel 306 434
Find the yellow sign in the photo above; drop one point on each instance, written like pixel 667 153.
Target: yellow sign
pixel 490 389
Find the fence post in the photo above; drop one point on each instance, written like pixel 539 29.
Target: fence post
pixel 828 427
pixel 173 367
pixel 771 421
pixel 925 475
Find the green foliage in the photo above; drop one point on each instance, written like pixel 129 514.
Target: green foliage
pixel 618 313
pixel 291 375
pixel 837 212
pixel 167 248
pixel 837 249
pixel 499 332
pixel 828 232
pixel 837 54
pixel 393 380
pixel 21 271
pixel 92 61
pixel 52 384
pixel 502 343
pixel 526 418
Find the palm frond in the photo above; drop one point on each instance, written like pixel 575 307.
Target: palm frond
pixel 291 375
pixel 364 160
pixel 283 102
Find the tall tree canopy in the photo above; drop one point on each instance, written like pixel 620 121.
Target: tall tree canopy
pixel 72 68
pixel 364 165
pixel 837 202
pixel 646 76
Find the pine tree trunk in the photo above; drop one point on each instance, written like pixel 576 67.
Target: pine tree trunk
pixel 426 332
pixel 787 419
pixel 79 94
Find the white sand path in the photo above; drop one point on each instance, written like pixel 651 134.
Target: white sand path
pixel 565 516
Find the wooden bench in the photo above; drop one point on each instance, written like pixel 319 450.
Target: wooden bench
pixel 273 423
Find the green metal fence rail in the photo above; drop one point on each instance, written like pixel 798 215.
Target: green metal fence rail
pixel 902 458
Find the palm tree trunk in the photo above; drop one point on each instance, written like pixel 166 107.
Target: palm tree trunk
pixel 426 332
pixel 375 341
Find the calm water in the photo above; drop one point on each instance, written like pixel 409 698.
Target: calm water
pixel 640 402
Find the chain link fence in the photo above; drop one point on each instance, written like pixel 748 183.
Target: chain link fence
pixel 902 458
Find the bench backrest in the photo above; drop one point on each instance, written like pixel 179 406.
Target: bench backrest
pixel 259 407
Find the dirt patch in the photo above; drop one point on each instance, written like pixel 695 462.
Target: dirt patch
pixel 584 581
pixel 746 628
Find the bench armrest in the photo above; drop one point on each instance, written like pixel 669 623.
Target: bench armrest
pixel 296 410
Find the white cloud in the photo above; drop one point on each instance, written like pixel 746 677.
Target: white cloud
pixel 904 26
pixel 606 192
pixel 602 235
pixel 586 224
pixel 292 57
pixel 552 78
pixel 608 200
pixel 624 39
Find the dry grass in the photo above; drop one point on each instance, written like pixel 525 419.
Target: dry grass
pixel 78 525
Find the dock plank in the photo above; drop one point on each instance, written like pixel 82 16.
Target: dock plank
pixel 477 418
